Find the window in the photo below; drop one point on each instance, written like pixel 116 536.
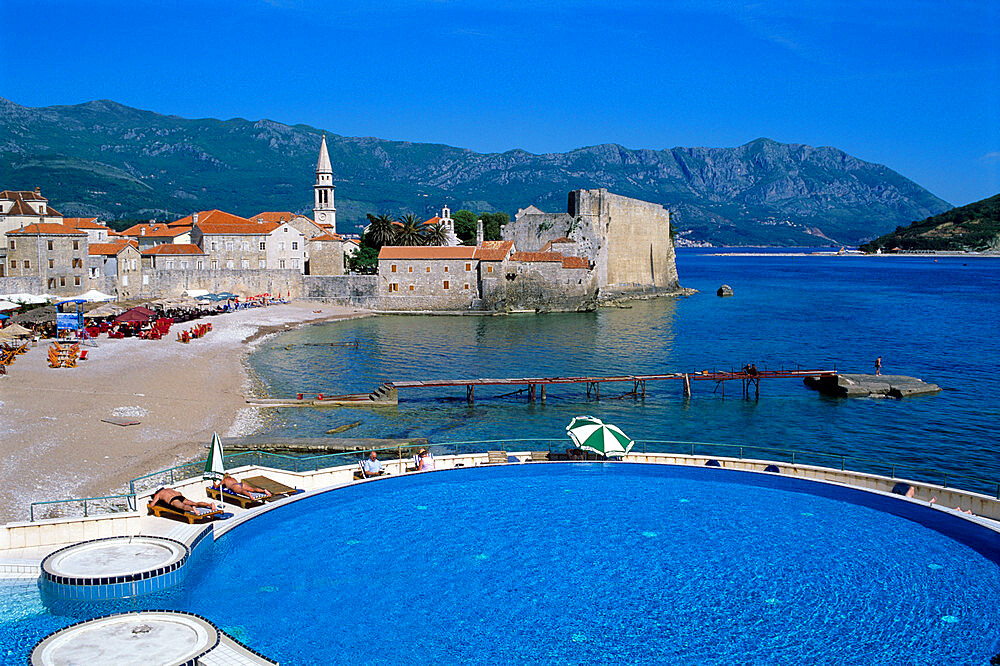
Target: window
pixel 468 267
pixel 13 265
pixel 295 245
pixel 246 246
pixel 281 263
pixel 62 282
pixel 77 263
pixel 49 244
pixel 170 263
pixel 393 286
pixel 446 285
pixel 229 245
pixel 428 269
pixel 76 280
pixel 184 265
pixel 263 246
pixel 215 246
pixel 445 269
pixel 261 264
pixel 27 264
pixel 132 264
pixel 200 264
pixel 466 285
pixel 124 280
pixel 281 246
pixel 411 287
pixel 13 244
pixel 410 269
pixel 215 264
pixel 229 264
pixel 145 279
pixel 52 263
pixel 76 245
pixel 489 269
pixel 52 283
pixel 285 230
pixel 392 268
pixel 295 263
pixel 244 263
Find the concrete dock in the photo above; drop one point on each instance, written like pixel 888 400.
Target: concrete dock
pixel 870 386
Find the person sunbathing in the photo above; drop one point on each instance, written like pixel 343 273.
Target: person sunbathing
pixel 172 499
pixel 242 488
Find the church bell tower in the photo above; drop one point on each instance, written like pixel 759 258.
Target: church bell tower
pixel 324 212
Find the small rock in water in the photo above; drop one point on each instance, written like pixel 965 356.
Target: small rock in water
pixel 334 431
pixel 725 290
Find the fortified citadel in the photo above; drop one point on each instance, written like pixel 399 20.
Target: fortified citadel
pixel 604 247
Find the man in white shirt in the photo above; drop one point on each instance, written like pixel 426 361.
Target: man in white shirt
pixel 372 466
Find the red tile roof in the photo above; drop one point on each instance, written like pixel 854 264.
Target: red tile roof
pixel 426 252
pixel 494 250
pixel 21 208
pixel 272 216
pixel 158 230
pixel 109 249
pixel 433 220
pixel 172 248
pixel 537 256
pixel 548 246
pixel 327 237
pixel 47 229
pixel 246 228
pixel 83 223
pixel 214 215
pixel 575 262
pixel 26 195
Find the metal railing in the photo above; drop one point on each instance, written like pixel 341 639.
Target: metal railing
pixel 291 463
pixel 106 505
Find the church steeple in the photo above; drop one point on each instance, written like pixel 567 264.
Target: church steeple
pixel 324 212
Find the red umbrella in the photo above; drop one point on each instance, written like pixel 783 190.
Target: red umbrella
pixel 133 316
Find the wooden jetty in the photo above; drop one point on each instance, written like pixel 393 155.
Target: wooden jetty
pixel 535 387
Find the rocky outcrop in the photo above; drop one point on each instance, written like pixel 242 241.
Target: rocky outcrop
pixel 724 290
pixel 871 386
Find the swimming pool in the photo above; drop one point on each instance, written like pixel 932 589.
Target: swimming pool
pixel 582 562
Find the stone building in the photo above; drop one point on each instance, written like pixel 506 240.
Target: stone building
pixel 102 258
pixel 171 256
pixel 21 208
pixel 235 243
pixel 326 255
pixel 96 232
pixel 150 235
pixel 626 240
pixel 428 278
pixel 52 252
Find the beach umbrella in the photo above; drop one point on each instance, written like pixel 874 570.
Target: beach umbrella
pixel 215 466
pixel 593 434
pixel 3 316
pixel 7 305
pixel 14 330
pixel 133 316
pixel 95 296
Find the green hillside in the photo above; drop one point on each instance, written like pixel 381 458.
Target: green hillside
pixel 974 227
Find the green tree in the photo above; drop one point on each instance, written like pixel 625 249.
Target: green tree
pixel 492 224
pixel 380 231
pixel 465 224
pixel 410 233
pixel 364 260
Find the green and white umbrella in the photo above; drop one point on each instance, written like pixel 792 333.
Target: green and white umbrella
pixel 593 434
pixel 215 466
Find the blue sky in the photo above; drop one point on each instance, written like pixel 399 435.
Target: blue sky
pixel 914 85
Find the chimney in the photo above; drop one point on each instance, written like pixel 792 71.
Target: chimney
pixel 479 232
pixel 142 231
pixel 38 190
pixel 194 218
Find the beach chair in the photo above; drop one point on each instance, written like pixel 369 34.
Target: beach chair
pixel 539 456
pixel 242 501
pixel 496 458
pixel 277 489
pixel 190 517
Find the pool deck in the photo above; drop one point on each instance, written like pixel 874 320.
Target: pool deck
pixel 23 546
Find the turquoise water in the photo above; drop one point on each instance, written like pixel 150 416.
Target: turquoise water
pixel 937 320
pixel 590 563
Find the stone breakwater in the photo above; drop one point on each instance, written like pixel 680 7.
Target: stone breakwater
pixel 871 386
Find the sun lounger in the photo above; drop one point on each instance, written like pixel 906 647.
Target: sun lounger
pixel 277 490
pixel 539 456
pixel 496 458
pixel 191 517
pixel 241 501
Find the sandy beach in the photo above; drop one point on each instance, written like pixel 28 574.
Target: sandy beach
pixel 53 444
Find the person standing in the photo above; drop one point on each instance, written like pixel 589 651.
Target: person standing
pixel 878 366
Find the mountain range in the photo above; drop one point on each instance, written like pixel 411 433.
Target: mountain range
pixel 105 159
pixel 974 227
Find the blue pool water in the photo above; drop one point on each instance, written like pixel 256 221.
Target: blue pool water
pixel 935 319
pixel 588 563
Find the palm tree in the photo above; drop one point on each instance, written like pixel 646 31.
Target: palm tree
pixel 380 230
pixel 436 234
pixel 410 233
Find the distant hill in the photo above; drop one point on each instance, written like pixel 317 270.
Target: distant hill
pixel 975 226
pixel 103 158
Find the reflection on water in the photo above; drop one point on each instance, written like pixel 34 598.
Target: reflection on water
pixel 932 320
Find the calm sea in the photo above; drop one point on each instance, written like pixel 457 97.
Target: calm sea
pixel 933 319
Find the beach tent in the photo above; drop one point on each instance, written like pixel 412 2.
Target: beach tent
pixel 26 299
pixel 94 296
pixel 133 316
pixel 14 331
pixel 7 305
